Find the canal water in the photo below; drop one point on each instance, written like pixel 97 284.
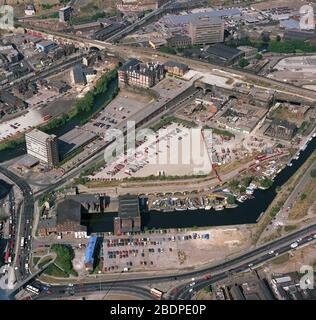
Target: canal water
pixel 9 154
pixel 245 213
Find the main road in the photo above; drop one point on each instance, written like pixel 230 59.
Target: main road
pixel 202 277
pixel 23 229
pixel 151 54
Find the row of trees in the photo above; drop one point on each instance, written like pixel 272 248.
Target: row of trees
pixel 82 107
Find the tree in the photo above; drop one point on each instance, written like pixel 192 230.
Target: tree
pixel 278 38
pixel 266 183
pixel 258 56
pixel 246 181
pixel 265 36
pixel 230 199
pixel 243 62
pixel 303 196
pixel 313 173
pixel 233 184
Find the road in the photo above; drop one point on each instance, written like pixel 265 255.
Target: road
pixel 186 291
pixel 237 264
pixel 296 193
pixel 151 54
pixel 103 289
pixel 65 64
pixel 24 227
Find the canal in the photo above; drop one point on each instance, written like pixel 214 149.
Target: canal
pixel 101 99
pixel 246 213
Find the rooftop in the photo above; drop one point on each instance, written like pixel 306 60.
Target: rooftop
pixel 128 206
pixel 28 161
pixel 90 250
pixel 185 19
pixel 78 75
pixel 39 135
pixel 130 64
pixel 68 210
pixel 45 43
pixel 176 64
pixel 47 223
pixel 223 51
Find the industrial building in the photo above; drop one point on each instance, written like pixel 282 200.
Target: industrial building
pixel 249 52
pixel 10 104
pixel 134 73
pixel 139 5
pixel 281 129
pixel 65 14
pixel 45 46
pixel 175 68
pixel 30 10
pixel 287 287
pixel 77 76
pixel 206 30
pixel 74 139
pixel 179 41
pixel 66 217
pixel 69 218
pixel 222 54
pixel 42 146
pixel 128 219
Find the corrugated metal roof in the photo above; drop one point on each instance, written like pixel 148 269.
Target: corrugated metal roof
pixel 185 19
pixel 290 24
pixel 90 250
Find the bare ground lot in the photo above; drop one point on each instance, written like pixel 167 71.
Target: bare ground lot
pixel 279 3
pixel 294 261
pixel 174 253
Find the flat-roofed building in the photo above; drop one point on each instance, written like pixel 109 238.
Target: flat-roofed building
pixel 46 45
pixel 128 219
pixel 205 30
pixel 69 218
pixel 179 41
pixel 176 68
pixel 222 54
pixel 77 76
pixel 42 146
pixel 65 14
pixel 250 52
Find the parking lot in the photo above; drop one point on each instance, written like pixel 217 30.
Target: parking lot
pixel 168 249
pixel 158 153
pixel 119 110
pixel 11 127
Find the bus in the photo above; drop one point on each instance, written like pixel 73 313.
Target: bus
pixel 22 242
pixel 32 289
pixel 156 293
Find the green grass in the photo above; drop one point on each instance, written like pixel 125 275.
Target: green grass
pixel 35 260
pixel 83 109
pixel 53 270
pixel 281 259
pixel 44 261
pixel 220 132
pixel 290 228
pixel 172 119
pixel 65 254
